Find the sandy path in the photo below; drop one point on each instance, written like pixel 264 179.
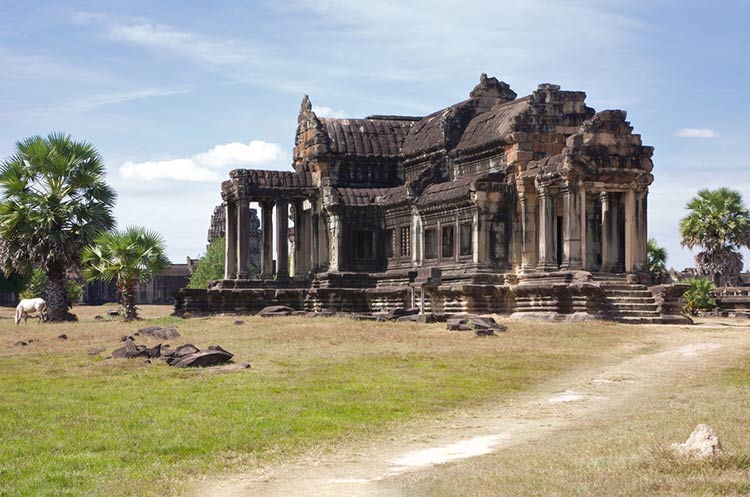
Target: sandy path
pixel 374 469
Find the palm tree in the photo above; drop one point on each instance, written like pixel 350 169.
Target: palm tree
pixel 656 257
pixel 54 202
pixel 129 257
pixel 719 222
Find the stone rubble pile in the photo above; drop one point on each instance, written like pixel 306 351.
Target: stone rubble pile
pixel 482 326
pixel 160 333
pixel 184 356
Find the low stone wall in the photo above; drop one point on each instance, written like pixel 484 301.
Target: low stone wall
pixel 733 300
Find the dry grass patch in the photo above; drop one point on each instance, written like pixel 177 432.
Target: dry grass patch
pixel 624 451
pixel 75 423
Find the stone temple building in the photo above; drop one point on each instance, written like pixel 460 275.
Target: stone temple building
pixel 532 206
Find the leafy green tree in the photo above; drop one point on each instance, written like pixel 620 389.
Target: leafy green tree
pixel 14 283
pixel 719 222
pixel 699 295
pixel 54 202
pixel 210 267
pixel 37 283
pixel 656 259
pixel 128 257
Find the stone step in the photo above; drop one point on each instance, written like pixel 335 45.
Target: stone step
pixel 635 307
pixel 628 293
pixel 639 320
pixel 623 286
pixel 630 299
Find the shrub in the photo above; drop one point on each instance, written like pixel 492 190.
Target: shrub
pixel 698 297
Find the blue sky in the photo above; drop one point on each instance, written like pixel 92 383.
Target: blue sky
pixel 176 94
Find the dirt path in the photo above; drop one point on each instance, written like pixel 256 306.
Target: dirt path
pixel 375 469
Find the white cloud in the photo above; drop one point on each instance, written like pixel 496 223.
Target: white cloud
pixel 84 18
pixel 210 166
pixel 103 99
pixel 323 111
pixel 696 133
pixel 166 39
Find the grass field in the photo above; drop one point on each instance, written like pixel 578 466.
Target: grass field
pixel 76 423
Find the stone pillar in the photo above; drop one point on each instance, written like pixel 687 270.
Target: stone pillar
pixel 641 230
pixel 593 226
pixel 584 226
pixel 298 255
pixel 292 250
pixel 631 242
pixel 571 227
pixel 481 239
pixel 315 238
pixel 282 239
pixel 243 237
pixel 609 232
pixel 266 256
pixel 547 222
pixel 529 240
pixel 334 243
pixel 417 239
pixel 230 242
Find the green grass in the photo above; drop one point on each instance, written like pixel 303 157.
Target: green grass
pixel 76 424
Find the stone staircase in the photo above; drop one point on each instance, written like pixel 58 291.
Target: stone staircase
pixel 627 302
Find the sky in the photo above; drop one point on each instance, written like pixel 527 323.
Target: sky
pixel 176 94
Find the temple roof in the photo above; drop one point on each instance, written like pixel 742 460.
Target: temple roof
pixel 433 131
pixel 375 136
pixel 459 188
pixel 360 196
pixel 493 126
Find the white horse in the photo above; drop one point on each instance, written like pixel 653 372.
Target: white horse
pixel 29 307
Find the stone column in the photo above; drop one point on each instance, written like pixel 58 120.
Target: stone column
pixel 481 238
pixel 571 227
pixel 282 239
pixel 243 236
pixel 609 232
pixel 230 241
pixel 547 222
pixel 266 256
pixel 292 250
pixel 631 242
pixel 315 238
pixel 529 241
pixel 584 226
pixel 641 229
pixel 593 232
pixel 298 257
pixel 334 245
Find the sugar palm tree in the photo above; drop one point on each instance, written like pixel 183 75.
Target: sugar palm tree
pixel 128 257
pixel 719 222
pixel 54 202
pixel 656 257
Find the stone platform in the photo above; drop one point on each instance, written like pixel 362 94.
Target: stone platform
pixel 558 296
